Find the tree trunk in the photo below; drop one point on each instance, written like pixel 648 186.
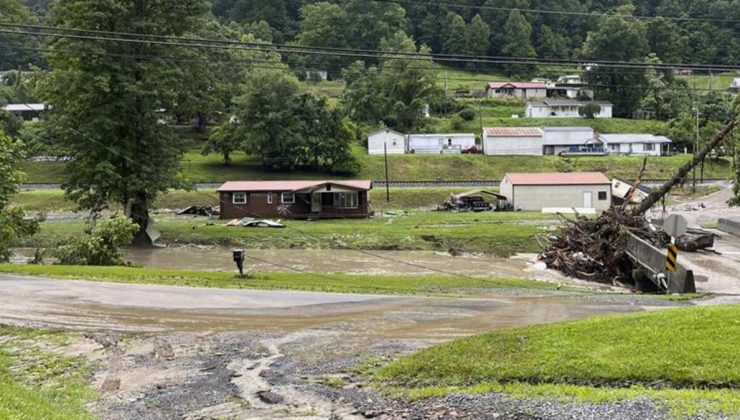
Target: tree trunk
pixel 139 214
pixel 683 171
pixel 201 123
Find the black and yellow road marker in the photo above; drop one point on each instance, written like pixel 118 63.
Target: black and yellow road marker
pixel 670 261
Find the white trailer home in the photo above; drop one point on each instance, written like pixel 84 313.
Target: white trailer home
pixel 393 140
pixel 440 143
pixel 635 144
pixel 512 141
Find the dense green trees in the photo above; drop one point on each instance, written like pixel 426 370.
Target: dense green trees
pixel 16 50
pixel 105 110
pixel 13 222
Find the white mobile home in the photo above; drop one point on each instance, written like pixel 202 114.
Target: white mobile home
pixel 557 140
pixel 511 141
pixel 523 90
pixel 635 144
pixel 537 191
pixel 394 141
pixel 564 108
pixel 440 143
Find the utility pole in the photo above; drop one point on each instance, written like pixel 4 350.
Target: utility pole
pixel 696 148
pixel 387 187
pixel 445 93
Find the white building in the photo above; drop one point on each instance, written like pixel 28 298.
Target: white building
pixel 523 90
pixel 393 140
pixel 564 108
pixel 510 141
pixel 440 143
pixel 634 144
pixel 566 190
pixel 735 85
pixel 26 112
pixel 557 140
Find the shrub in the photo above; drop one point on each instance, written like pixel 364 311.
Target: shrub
pixel 467 114
pixel 102 245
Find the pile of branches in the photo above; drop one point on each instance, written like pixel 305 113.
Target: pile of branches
pixel 594 248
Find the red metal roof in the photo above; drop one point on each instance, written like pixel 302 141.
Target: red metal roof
pixel 558 178
pixel 520 85
pixel 291 185
pixel 513 132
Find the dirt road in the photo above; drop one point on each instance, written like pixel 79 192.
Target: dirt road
pixel 171 352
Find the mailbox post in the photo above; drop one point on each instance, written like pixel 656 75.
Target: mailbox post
pixel 239 256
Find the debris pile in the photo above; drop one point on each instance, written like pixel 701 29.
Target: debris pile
pixel 594 248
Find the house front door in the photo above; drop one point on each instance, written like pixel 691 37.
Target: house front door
pixel 587 200
pixel 315 203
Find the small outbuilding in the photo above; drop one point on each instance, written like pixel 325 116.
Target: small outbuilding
pixel 440 143
pixel 295 199
pixel 519 90
pixel 568 190
pixel 511 141
pixel 26 112
pixel 378 141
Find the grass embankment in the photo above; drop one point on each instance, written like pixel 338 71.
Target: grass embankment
pixel 434 285
pixel 198 168
pixel 37 383
pixel 687 358
pixel 501 234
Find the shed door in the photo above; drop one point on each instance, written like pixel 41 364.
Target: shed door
pixel 587 200
pixel 315 202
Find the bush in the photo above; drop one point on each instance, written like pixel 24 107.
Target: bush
pixel 102 246
pixel 589 111
pixel 467 114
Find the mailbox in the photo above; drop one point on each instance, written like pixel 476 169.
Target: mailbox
pixel 238 256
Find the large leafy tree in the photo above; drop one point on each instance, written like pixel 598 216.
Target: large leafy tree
pixel 622 38
pixel 517 42
pixel 17 50
pixel 105 97
pixel 13 222
pixel 457 35
pixel 324 25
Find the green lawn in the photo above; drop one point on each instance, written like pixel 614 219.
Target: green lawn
pixel 497 233
pixel 693 352
pixel 39 384
pixel 427 285
pixel 198 168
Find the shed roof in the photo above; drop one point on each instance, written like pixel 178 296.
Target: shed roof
pixel 24 107
pixel 518 85
pixel 512 132
pixel 558 178
pixel 291 186
pixel 633 138
pixel 573 102
pixel 437 135
pixel 386 130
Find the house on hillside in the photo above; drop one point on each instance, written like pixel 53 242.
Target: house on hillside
pixel 557 190
pixel 520 90
pixel 440 143
pixel 393 141
pixel 295 199
pixel 564 108
pixel 511 141
pixel 635 144
pixel 571 140
pixel 26 112
pixel 735 84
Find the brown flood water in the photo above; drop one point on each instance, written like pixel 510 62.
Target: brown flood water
pixel 338 261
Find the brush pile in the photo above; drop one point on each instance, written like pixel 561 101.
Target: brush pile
pixel 594 248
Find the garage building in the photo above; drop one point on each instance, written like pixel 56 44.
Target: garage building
pixel 537 191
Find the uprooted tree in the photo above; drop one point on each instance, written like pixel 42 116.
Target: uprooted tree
pixel 595 248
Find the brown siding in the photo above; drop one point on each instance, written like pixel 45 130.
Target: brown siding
pixel 258 207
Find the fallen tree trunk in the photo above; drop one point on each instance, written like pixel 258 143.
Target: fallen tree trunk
pixel 683 171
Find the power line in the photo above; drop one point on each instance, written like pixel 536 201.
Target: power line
pixel 334 51
pixel 555 12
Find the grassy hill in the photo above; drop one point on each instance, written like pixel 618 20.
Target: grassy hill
pixel 198 168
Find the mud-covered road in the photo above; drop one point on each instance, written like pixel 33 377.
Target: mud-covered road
pixel 173 352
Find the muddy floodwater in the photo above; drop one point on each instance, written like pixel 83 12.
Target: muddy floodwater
pixel 338 261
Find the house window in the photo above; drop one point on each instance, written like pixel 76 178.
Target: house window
pixel 345 200
pixel 649 147
pixel 269 198
pixel 287 198
pixel 239 198
pixel 602 195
